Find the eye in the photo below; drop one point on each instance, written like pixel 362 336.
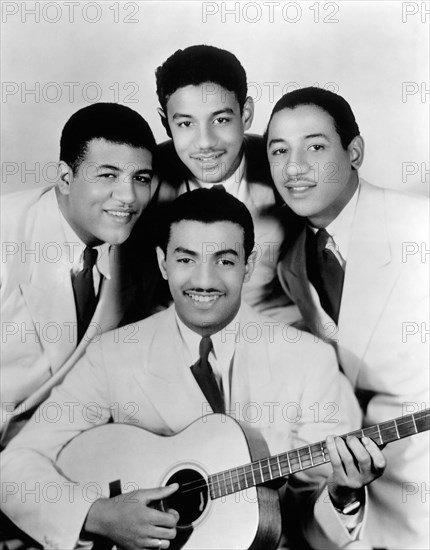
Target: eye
pixel 184 124
pixel 107 175
pixel 221 120
pixel 280 151
pixel 226 262
pixel 317 147
pixel 143 179
pixel 184 260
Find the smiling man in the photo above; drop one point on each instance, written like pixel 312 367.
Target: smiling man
pixel 359 277
pixel 199 356
pixel 61 279
pixel 206 111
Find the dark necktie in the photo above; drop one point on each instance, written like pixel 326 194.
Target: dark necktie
pixel 205 377
pixel 324 272
pixel 83 290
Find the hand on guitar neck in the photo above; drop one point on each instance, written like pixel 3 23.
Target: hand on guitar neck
pixel 355 463
pixel 131 522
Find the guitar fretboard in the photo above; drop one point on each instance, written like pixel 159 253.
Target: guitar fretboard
pixel 284 464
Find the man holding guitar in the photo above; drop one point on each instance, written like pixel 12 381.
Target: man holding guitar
pixel 206 353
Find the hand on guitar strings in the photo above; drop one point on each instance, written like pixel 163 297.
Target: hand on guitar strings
pixel 355 463
pixel 131 522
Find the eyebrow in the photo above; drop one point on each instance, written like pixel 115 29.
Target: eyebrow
pixel 226 111
pixel 117 169
pixel 224 252
pixel 308 136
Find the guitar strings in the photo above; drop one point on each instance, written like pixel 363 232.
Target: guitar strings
pixel 293 461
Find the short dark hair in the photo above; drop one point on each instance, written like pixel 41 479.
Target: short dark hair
pixel 208 206
pixel 196 65
pixel 333 104
pixel 110 121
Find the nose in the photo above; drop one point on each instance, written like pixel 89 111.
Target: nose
pixel 206 138
pixel 124 190
pixel 297 165
pixel 204 275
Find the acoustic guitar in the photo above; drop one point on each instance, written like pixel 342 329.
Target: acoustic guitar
pixel 225 499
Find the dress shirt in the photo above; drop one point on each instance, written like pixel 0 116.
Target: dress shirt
pixel 76 255
pixel 220 358
pixel 340 230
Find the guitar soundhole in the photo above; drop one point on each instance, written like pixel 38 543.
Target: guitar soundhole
pixel 190 499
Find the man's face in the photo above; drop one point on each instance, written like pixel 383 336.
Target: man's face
pixel 205 268
pixel 207 129
pixel 106 196
pixel 310 168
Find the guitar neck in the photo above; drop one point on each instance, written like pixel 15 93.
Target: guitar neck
pixel 284 464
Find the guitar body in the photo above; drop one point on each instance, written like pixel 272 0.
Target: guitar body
pixel 119 458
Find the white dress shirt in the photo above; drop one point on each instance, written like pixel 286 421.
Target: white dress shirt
pixel 76 255
pixel 221 358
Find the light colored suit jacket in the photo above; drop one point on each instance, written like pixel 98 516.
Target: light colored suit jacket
pixel 263 291
pixel 293 381
pixel 39 337
pixel 381 342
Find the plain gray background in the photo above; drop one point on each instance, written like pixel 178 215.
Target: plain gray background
pixel 58 56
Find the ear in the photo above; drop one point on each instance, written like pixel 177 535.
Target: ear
pixel 161 257
pixel 356 152
pixel 164 121
pixel 250 266
pixel 66 177
pixel 248 113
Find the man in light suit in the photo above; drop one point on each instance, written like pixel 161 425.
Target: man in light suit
pixel 205 109
pixel 205 254
pixel 105 172
pixel 377 319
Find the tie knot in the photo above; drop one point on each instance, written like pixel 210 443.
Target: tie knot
pixel 219 187
pixel 90 257
pixel 205 347
pixel 322 238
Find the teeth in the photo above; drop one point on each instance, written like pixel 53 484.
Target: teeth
pixel 206 159
pixel 119 214
pixel 199 298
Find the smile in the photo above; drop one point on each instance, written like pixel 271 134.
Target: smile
pixel 202 298
pixel 119 213
pixel 207 158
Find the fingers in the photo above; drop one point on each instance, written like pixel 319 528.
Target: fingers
pixel 378 459
pixel 159 493
pixel 355 462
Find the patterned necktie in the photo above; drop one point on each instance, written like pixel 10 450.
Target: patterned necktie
pixel 83 290
pixel 205 377
pixel 325 272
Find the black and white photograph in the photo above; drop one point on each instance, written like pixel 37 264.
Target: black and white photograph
pixel 215 275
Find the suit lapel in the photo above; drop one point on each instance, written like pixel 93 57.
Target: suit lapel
pixel 369 278
pixel 174 391
pixel 49 293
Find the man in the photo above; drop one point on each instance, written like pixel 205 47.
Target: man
pixel 61 283
pixel 356 272
pixel 205 109
pixel 206 257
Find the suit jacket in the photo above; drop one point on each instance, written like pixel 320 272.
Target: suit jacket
pixel 381 345
pixel 145 382
pixel 263 291
pixel 37 302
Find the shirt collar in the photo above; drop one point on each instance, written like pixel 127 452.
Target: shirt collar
pixel 340 227
pixel 76 249
pixel 224 341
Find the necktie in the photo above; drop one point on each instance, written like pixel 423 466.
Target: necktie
pixel 205 378
pixel 325 272
pixel 83 290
